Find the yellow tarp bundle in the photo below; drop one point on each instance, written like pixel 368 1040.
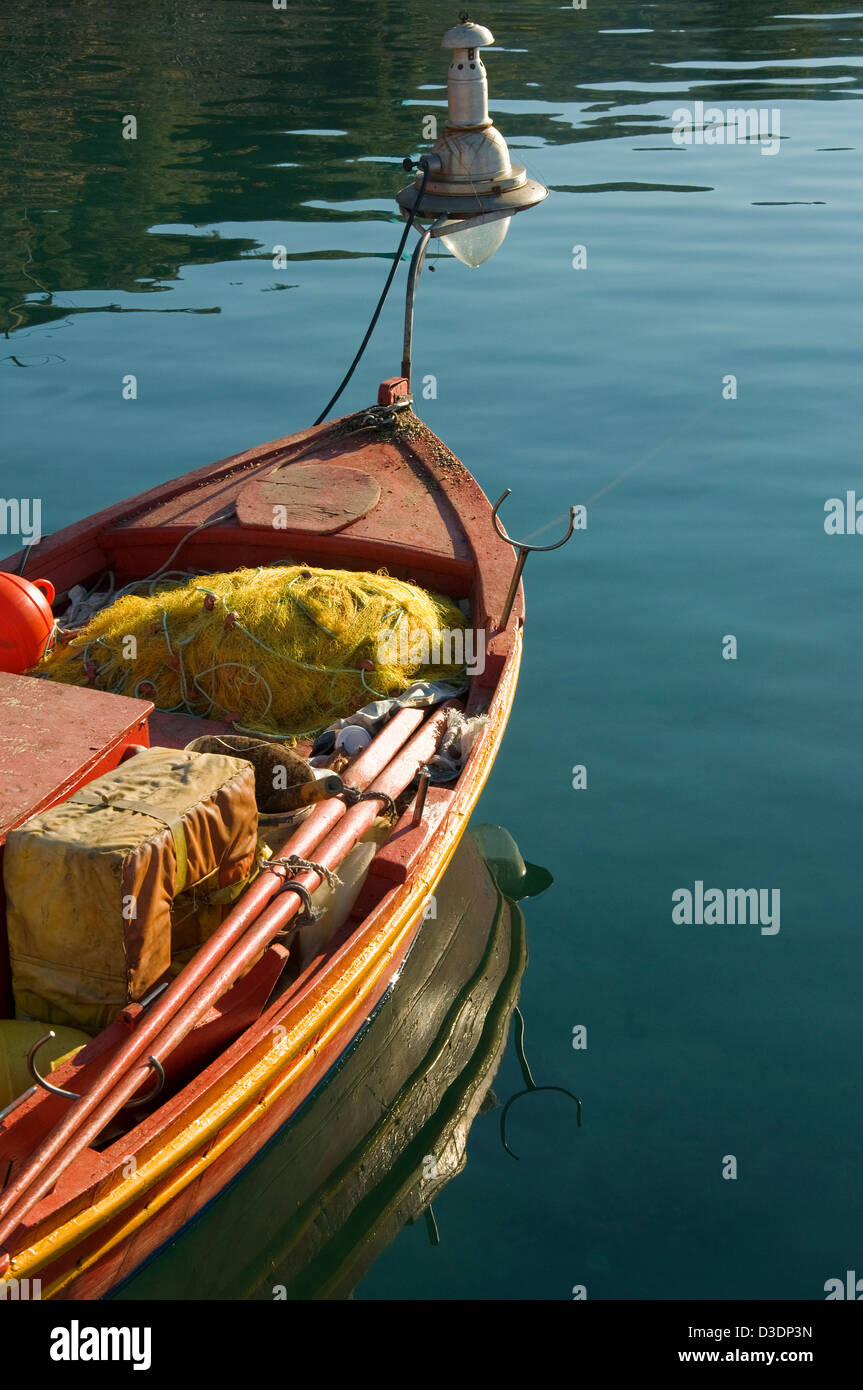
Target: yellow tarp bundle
pixel 284 650
pixel 90 884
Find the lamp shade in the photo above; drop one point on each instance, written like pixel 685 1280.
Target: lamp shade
pixel 474 245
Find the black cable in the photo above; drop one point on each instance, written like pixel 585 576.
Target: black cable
pixel 376 315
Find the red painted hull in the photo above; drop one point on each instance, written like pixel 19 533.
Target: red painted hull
pixel 432 524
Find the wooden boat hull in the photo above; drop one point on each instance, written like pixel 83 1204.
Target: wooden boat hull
pixel 114 1207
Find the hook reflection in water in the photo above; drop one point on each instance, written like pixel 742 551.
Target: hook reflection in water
pixel 530 1086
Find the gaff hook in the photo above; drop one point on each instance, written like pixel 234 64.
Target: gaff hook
pixel 530 1085
pixel 523 550
pixel 75 1095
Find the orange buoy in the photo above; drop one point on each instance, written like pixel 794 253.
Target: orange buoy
pixel 26 621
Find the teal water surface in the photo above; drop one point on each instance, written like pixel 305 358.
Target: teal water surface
pixel 604 385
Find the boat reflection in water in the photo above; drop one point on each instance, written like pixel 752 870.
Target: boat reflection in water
pixel 388 1127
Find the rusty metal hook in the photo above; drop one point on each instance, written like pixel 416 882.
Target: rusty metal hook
pixel 75 1095
pixel 523 550
pixel 530 1085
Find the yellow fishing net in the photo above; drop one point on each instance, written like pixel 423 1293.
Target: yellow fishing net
pixel 283 650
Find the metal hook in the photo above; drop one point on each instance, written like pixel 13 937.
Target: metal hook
pixel 75 1095
pixel 38 1078
pixel 530 1085
pixel 151 1095
pixel 523 551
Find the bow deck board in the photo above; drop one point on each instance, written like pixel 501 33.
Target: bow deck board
pixel 321 498
pixel 413 523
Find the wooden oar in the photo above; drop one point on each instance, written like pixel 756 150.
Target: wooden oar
pixel 125 1075
pixel 34 1181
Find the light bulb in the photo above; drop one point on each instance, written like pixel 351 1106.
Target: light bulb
pixel 477 244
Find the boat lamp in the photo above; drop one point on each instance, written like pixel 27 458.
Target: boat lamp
pixel 472 188
pixel 467 188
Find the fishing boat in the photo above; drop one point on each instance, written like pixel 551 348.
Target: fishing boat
pixel 215 1048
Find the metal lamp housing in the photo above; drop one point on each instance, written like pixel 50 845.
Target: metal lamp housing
pixel 469 169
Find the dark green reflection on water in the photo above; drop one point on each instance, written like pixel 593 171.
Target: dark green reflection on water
pixel 221 92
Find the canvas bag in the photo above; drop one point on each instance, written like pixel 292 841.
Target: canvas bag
pixel 91 883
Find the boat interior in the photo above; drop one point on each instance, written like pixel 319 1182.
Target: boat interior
pixel 375 491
